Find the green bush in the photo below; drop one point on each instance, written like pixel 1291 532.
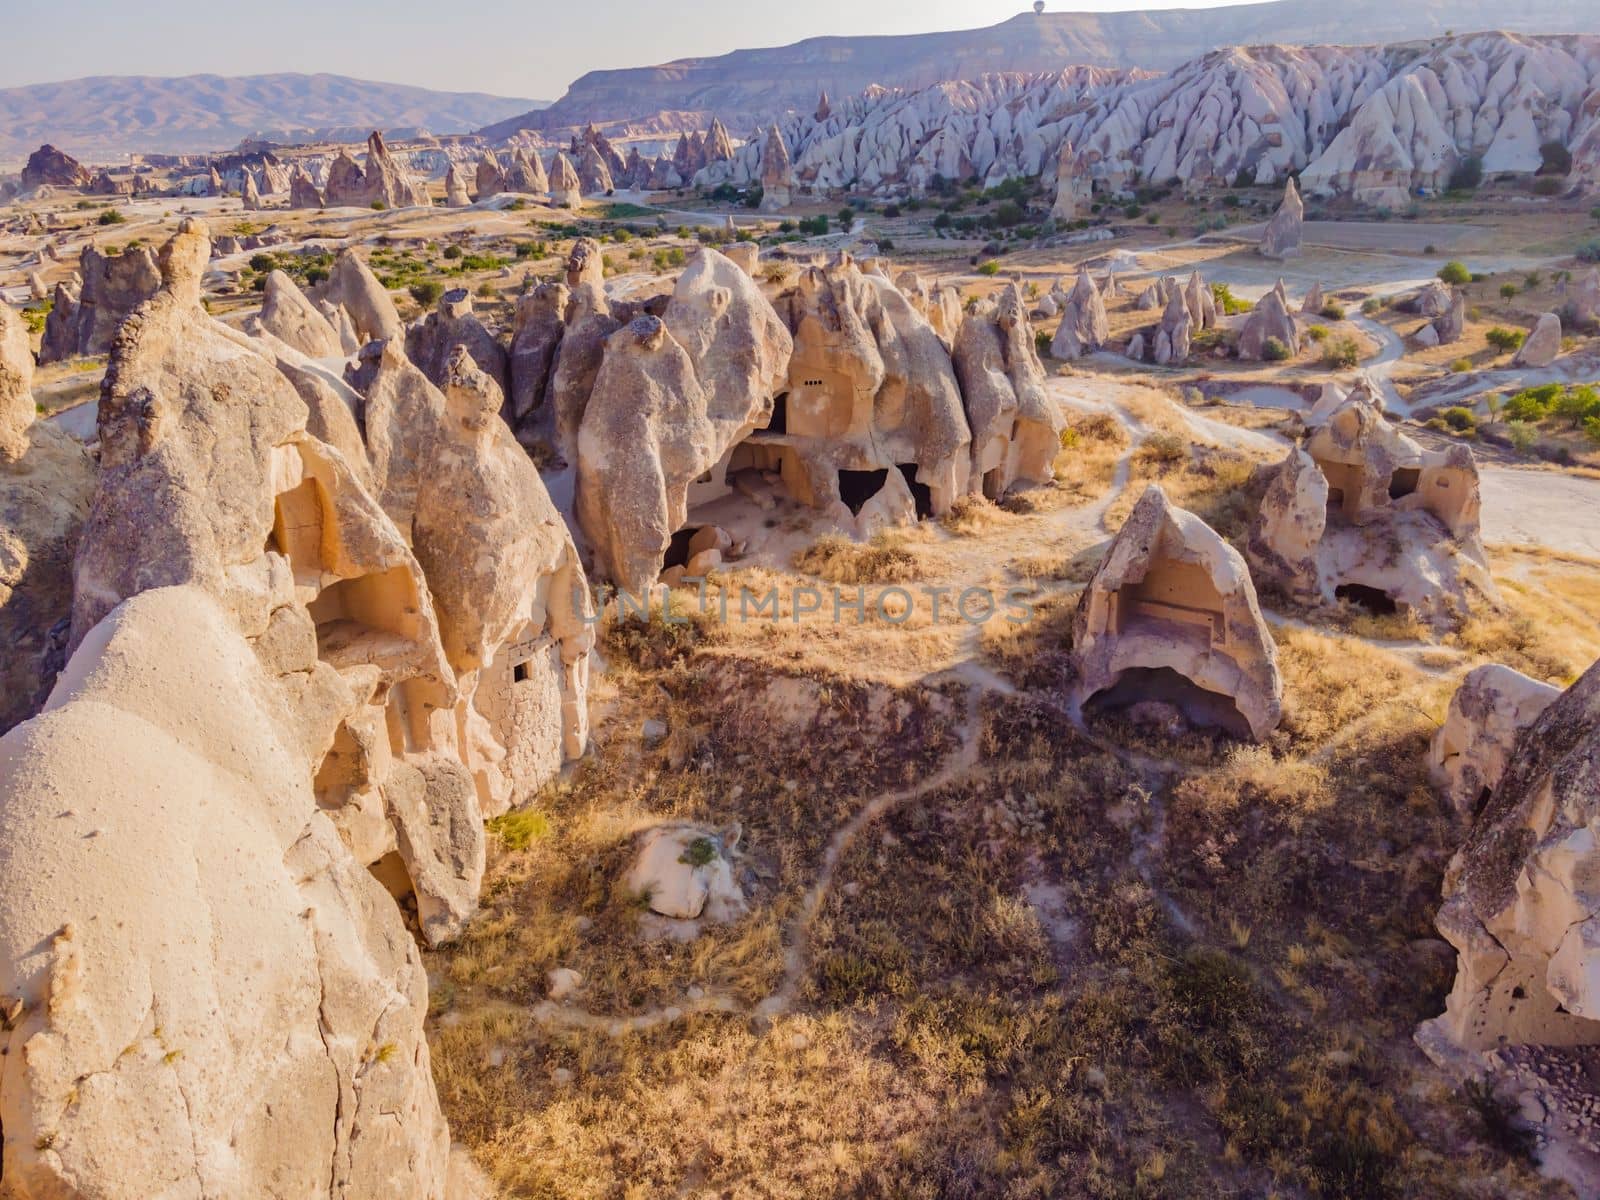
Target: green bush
pixel 1010 213
pixel 1318 333
pixel 1589 252
pixel 1456 273
pixel 1531 281
pixel 378 206
pixel 1275 350
pixel 1230 304
pixel 111 217
pixel 990 268
pixel 1557 159
pixel 1508 290
pixel 813 226
pixel 1522 436
pixel 1467 175
pixel 453 252
pixel 1041 342
pixel 1504 340
pixel 426 292
pixel 1333 310
pixel 1341 353
pixel 1461 365
pixel 1578 405
pixel 1462 420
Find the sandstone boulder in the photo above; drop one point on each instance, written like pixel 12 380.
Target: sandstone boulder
pixel 685 872
pixel 452 325
pixel 288 315
pixel 1269 321
pixel 1542 346
pixel 1493 705
pixel 1451 325
pixel 46 483
pixel 455 189
pixel 777 172
pixel 204 975
pixel 566 191
pixel 1170 616
pixel 354 288
pixel 1016 430
pixel 1364 514
pixel 1519 897
pixel 1084 327
pixel 1173 336
pixel 1281 238
pixel 252 194
pixel 113 285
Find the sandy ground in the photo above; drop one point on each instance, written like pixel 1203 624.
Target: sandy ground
pixel 1528 507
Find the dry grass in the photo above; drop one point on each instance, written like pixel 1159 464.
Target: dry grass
pixel 1091 446
pixel 1211 482
pixel 838 559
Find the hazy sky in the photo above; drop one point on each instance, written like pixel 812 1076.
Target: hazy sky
pixel 531 49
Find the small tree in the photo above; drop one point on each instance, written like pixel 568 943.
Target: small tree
pixel 1508 290
pixel 1455 273
pixel 1340 354
pixel 1504 340
pixel 1557 159
pixel 1467 175
pixel 1274 350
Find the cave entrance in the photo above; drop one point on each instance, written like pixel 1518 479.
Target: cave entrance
pixel 678 549
pixel 780 414
pixel 921 493
pixel 1200 708
pixel 1404 481
pixel 1375 600
pixel 857 487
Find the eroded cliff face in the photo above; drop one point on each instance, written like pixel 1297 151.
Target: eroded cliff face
pixel 747 87
pixel 1370 122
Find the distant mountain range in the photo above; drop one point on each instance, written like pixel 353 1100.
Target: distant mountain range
pixel 747 86
pixel 105 117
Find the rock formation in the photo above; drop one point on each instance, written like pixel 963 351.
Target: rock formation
pixel 685 872
pixel 1363 513
pixel 455 189
pixel 1451 325
pixel 644 436
pixel 1374 123
pixel 46 482
pixel 535 341
pixel 777 173
pixel 1585 302
pixel 353 287
pixel 50 167
pixel 113 286
pixel 303 193
pixel 594 173
pixel 1542 345
pixel 252 194
pixel 203 972
pixel 1493 705
pixel 1519 896
pixel 1084 327
pixel 1073 185
pixel 872 429
pixel 674 400
pixel 278 698
pixel 1270 320
pixel 1016 430
pixel 511 596
pixel 526 174
pixel 288 315
pixel 490 178
pixel 1170 619
pixel 1173 336
pixel 588 323
pixel 432 341
pixel 566 191
pixel 1281 238
pixel 382 182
